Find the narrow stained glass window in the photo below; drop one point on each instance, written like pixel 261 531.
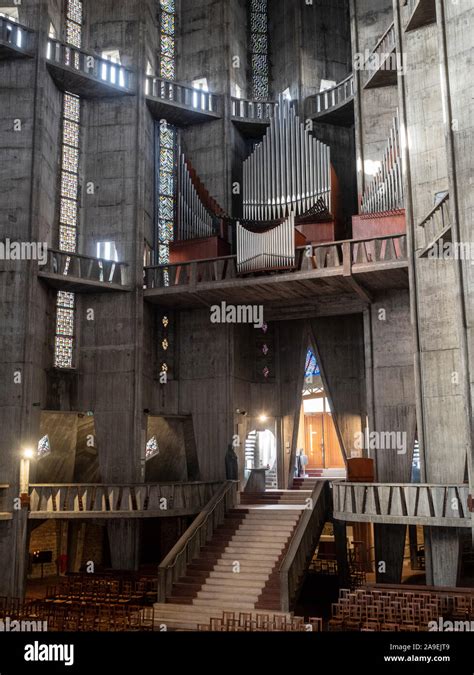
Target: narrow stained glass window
pixel 259 60
pixel 68 206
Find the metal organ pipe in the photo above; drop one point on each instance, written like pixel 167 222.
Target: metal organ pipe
pixel 289 171
pixel 274 249
pixel 194 220
pixel 385 191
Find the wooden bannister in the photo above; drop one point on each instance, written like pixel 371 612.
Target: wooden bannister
pixel 188 547
pixel 90 64
pixel 303 544
pixel 86 268
pixel 347 255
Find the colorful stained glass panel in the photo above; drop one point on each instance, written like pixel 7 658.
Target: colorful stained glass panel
pixel 67 239
pixel 166 231
pixel 66 299
pixel 74 10
pixel 168 5
pixel 68 212
pixel 259 43
pixel 65 321
pixel 72 106
pixel 63 350
pixel 166 208
pixel 69 185
pixel 166 160
pixel 73 34
pixel 70 158
pixel 168 25
pixel 71 133
pixel 258 22
pixel 167 68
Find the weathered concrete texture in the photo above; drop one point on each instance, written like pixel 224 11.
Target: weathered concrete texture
pixel 393 385
pixel 442 545
pixel 375 108
pixel 339 342
pixel 389 551
pixel 299 61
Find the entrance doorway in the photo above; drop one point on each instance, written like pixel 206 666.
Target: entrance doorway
pixel 321 442
pixel 317 436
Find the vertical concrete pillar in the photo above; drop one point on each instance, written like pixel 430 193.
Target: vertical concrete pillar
pixel 389 550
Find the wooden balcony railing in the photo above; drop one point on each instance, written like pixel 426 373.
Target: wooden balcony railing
pixel 187 549
pixel 81 267
pixel 172 92
pixel 326 100
pixel 252 111
pixel 109 501
pixel 303 543
pixel 346 255
pixel 15 36
pixel 87 63
pixel 436 225
pixel 410 503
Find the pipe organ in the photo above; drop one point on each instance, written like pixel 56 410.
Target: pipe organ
pixel 289 171
pixel 272 249
pixel 194 220
pixel 385 191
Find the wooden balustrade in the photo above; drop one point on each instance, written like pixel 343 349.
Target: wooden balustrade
pixel 348 255
pixel 303 544
pixel 252 111
pixel 436 224
pixel 140 500
pixel 92 65
pixel 174 93
pixel 15 35
pixel 188 547
pixel 410 503
pixel 341 93
pixel 85 268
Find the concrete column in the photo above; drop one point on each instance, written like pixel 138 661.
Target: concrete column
pixel 389 550
pixel 444 559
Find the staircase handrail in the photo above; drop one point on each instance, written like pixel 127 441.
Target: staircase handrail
pixel 173 566
pixel 303 543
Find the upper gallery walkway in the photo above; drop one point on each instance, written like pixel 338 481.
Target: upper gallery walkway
pixel 356 269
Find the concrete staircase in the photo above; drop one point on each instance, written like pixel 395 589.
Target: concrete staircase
pixel 238 569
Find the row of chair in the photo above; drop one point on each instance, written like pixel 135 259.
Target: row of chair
pixel 249 622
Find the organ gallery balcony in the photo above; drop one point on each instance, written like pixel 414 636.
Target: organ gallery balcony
pixel 322 275
pixel 419 13
pixel 252 118
pixel 146 500
pixel 335 105
pixel 383 62
pixel 85 73
pixel 15 39
pixel 180 104
pixel 82 274
pixel 402 503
